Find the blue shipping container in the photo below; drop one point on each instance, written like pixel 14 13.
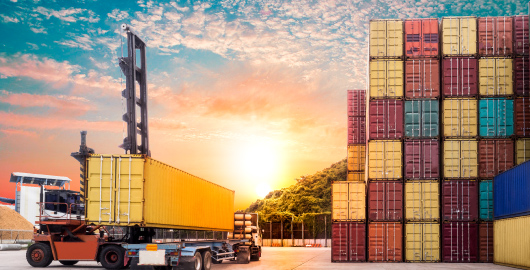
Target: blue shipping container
pixel 511 192
pixel 422 118
pixel 496 117
pixel 486 200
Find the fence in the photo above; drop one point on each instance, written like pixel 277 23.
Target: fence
pixel 15 236
pixel 292 233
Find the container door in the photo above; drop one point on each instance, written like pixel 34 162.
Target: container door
pixel 413 242
pixel 376 242
pixel 522 117
pixel 468 35
pixel 504 110
pixel 431 242
pixel 488 117
pixel 430 78
pixel 414 159
pixel 357 243
pixel 452 117
pixel 379 119
pixel 429 120
pixel 486 200
pixel 413 202
pixel 520 36
pixel 504 153
pixel 488 80
pixel 430 155
pixel 394 201
pixel 340 200
pixel 376 154
pixel 377 38
pixel 394 32
pixel 100 189
pixel 395 78
pixel 339 244
pixel 392 160
pixel 412 118
pixel 504 72
pixel 430 201
pixel 413 83
pixel 357 201
pixel 486 34
pixel 376 196
pixel 451 36
pixel 129 189
pixel 469 157
pixel 522 150
pixel 413 38
pixel 430 37
pixel 503 35
pixel 486 242
pixel 452 159
pixel 394 241
pixel 378 79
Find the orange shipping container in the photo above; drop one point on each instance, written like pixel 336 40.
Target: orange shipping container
pixel 385 242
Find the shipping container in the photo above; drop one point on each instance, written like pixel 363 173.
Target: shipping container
pixel 495 76
pixel 459 117
pixel 522 117
pixel 339 195
pixel 356 157
pixel 510 192
pixel 422 242
pixel 385 241
pixel 521 35
pixel 460 158
pixel 459 36
pixel 421 38
pixel 459 242
pixel 495 156
pixel 521 75
pixel 386 39
pixel 136 190
pixel 385 201
pixel 459 77
pixel 495 36
pixel 349 201
pixel 356 103
pixel 508 244
pixel 356 176
pixel 422 118
pixel 348 242
pixel 496 117
pixel 485 242
pixel 386 119
pixel 422 78
pixel 356 130
pixel 422 201
pixel 422 159
pixel 522 150
pixel 459 200
pixel 386 79
pixel 385 159
pixel 486 200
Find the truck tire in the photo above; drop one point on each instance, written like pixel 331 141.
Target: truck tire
pixel 206 260
pixel 111 257
pixel 39 255
pixel 68 262
pixel 197 261
pixel 254 257
pixel 243 256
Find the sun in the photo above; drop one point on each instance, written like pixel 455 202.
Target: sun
pixel 262 189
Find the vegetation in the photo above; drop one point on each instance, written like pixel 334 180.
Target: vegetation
pixel 309 196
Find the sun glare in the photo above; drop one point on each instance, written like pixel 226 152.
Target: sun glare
pixel 262 189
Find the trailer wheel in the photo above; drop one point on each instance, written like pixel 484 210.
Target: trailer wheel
pixel 68 262
pixel 206 260
pixel 197 261
pixel 111 257
pixel 39 255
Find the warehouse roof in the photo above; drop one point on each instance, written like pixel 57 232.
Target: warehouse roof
pixel 38 179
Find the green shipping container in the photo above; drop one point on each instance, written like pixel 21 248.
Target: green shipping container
pixel 486 200
pixel 422 118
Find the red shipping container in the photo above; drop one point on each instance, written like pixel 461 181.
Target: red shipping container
pixel 357 130
pixel 459 200
pixel 521 76
pixel 385 201
pixel 385 242
pixel 520 35
pixel 522 117
pixel 459 78
pixel 356 103
pixel 495 36
pixel 422 78
pixel 386 119
pixel 348 242
pixel 421 38
pixel 459 242
pixel 422 159
pixel 485 242
pixel 494 156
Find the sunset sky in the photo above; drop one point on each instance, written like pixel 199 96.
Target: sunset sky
pixel 241 93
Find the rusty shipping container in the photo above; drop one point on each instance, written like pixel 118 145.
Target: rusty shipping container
pixel 522 117
pixel 509 248
pixel 522 150
pixel 521 76
pixel 495 36
pixel 422 78
pixel 356 130
pixel 348 242
pixel 356 102
pixel 422 118
pixel 460 158
pixel 459 242
pixel 386 119
pixel 459 77
pixel 385 159
pixel 521 35
pixel 422 242
pixel 459 36
pixel 386 39
pixel 495 76
pixel 459 200
pixel 494 156
pixel 386 79
pixel 485 242
pixel 422 200
pixel 421 38
pixel 385 242
pixel 356 157
pixel 421 160
pixel 385 201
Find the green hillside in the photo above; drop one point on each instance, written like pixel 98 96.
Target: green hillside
pixel 311 194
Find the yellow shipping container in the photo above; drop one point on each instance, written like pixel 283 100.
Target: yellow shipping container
pixel 495 76
pixel 386 38
pixel 422 200
pixel 511 242
pixel 460 158
pixel 522 150
pixel 422 242
pixel 129 190
pixel 386 79
pixel 349 201
pixel 356 176
pixel 356 157
pixel 385 159
pixel 459 117
pixel 339 193
pixel 459 36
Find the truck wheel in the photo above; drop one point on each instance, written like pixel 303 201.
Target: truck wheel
pixel 254 257
pixel 206 260
pixel 68 262
pixel 111 257
pixel 197 261
pixel 39 255
pixel 243 256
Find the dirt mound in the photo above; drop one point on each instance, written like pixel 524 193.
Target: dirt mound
pixel 11 220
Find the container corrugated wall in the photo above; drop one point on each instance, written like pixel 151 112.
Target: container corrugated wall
pixel 421 38
pixel 496 117
pixel 422 242
pixel 522 150
pixel 495 36
pixel 386 79
pixel 459 242
pixel 422 118
pixel 460 117
pixel 510 248
pixel 385 159
pixel 459 36
pixel 385 241
pixel 521 35
pixel 495 76
pixel 386 39
pixel 460 158
pixel 422 201
pixel 511 189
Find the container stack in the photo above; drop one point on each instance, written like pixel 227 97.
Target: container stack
pixel 386 132
pixel 521 73
pixel 422 145
pixel 349 197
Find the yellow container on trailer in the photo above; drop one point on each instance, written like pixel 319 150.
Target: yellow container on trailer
pixel 386 79
pixel 386 38
pixel 422 200
pixel 385 159
pixel 356 157
pixel 495 76
pixel 522 150
pixel 422 242
pixel 459 117
pixel 129 190
pixel 460 158
pixel 511 242
pixel 459 36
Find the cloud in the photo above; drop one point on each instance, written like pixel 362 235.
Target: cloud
pixel 82 41
pixel 37 122
pixel 8 19
pixel 118 15
pixel 99 64
pixel 61 104
pixel 17 133
pixel 69 15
